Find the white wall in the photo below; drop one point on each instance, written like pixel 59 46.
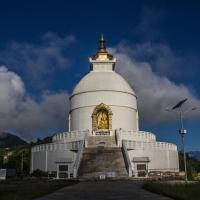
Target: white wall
pixel 108 97
pixel 46 160
pixel 160 159
pixel 123 106
pixel 122 117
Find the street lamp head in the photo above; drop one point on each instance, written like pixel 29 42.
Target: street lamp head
pixel 182 132
pixel 179 104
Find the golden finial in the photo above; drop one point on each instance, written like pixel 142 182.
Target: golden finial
pixel 102 48
pixel 102 38
pixel 102 53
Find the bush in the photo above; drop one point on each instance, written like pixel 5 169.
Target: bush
pixel 39 173
pixel 176 190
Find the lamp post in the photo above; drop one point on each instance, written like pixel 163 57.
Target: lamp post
pixel 182 131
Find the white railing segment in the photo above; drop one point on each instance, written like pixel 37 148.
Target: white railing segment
pixel 136 135
pixel 150 145
pixel 57 146
pixel 70 136
pixel 127 159
pixel 78 159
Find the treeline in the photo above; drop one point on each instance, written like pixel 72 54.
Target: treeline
pixel 19 157
pixel 193 165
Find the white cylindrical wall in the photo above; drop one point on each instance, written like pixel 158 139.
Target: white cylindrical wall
pixel 122 104
pixel 109 97
pixel 46 160
pixel 160 159
pixel 123 117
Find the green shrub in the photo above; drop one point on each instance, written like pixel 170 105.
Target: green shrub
pixel 178 191
pixel 39 173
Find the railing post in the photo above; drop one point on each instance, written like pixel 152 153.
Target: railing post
pixel 118 138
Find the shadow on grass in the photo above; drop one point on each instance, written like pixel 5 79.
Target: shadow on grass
pixel 178 191
pixel 31 188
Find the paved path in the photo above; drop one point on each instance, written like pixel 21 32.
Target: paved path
pixel 104 190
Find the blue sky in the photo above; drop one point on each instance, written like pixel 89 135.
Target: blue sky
pixel 44 51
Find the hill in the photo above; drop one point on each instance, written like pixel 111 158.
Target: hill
pixel 8 140
pixel 194 154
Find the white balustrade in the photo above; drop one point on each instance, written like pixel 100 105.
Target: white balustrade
pixel 56 146
pixel 137 135
pixel 145 145
pixel 70 136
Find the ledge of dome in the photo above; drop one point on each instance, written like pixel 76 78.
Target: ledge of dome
pixel 102 57
pixel 104 60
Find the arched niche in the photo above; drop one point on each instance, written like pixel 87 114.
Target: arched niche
pixel 102 117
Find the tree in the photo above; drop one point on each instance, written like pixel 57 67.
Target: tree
pixel 193 165
pixel 19 159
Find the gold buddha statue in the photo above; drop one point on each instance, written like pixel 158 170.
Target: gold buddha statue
pixel 102 120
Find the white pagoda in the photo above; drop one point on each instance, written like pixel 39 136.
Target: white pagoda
pixel 103 137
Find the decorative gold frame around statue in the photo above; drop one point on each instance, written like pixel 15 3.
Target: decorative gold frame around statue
pixel 98 108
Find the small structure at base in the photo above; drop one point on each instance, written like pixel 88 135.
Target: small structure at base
pixel 7 173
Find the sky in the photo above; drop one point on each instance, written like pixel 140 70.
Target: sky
pixel 45 48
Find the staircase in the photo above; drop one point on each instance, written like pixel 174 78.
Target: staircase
pixel 102 160
pixel 99 141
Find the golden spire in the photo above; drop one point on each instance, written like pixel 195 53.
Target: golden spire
pixel 102 48
pixel 102 52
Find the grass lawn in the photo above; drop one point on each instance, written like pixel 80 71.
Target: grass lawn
pixel 179 191
pixel 29 189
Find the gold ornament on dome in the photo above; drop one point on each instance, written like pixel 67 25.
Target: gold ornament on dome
pixel 102 118
pixel 102 52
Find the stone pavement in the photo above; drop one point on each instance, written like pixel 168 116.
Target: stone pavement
pixel 104 190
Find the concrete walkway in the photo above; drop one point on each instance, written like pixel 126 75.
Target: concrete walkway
pixel 104 190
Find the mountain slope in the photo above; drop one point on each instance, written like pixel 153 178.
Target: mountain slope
pixel 195 154
pixel 8 140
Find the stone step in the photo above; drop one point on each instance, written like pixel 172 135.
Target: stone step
pixel 106 141
pixel 102 161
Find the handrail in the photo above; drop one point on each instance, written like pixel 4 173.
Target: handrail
pixel 78 159
pixel 127 159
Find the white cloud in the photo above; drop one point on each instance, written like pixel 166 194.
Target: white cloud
pixel 37 62
pixel 22 114
pixel 155 92
pixel 163 60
